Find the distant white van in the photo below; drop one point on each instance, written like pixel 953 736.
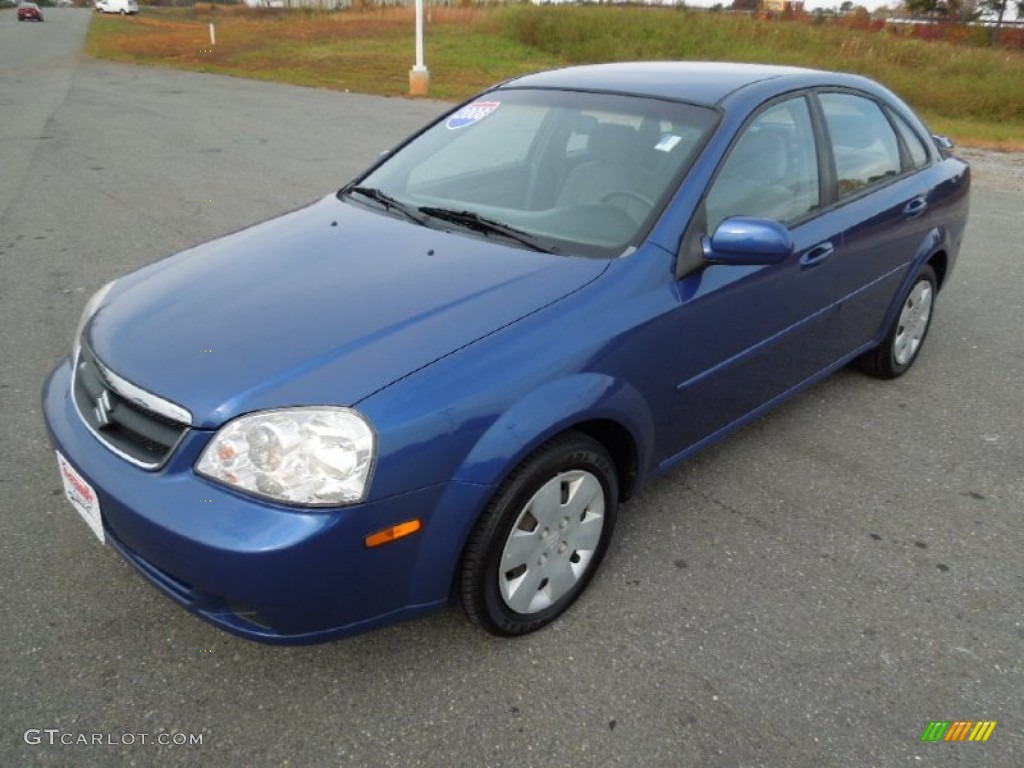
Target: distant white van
pixel 124 7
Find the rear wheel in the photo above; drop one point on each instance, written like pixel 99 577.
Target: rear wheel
pixel 542 537
pixel 903 342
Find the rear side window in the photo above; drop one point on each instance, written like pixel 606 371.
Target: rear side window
pixel 915 147
pixel 864 144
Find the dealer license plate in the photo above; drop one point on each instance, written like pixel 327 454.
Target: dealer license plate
pixel 82 496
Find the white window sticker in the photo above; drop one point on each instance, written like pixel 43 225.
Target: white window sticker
pixel 667 142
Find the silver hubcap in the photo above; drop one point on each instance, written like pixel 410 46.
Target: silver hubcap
pixel 913 322
pixel 552 542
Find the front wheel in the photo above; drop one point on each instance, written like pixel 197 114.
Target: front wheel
pixel 903 342
pixel 541 538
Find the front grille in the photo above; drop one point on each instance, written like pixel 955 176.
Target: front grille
pixel 120 418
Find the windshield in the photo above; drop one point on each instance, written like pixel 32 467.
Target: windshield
pixel 561 171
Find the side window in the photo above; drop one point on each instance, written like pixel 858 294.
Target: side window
pixel 772 171
pixel 863 142
pixel 918 154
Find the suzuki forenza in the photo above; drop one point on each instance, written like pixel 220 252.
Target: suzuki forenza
pixel 443 380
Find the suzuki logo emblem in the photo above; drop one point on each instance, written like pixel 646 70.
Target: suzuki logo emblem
pixel 102 410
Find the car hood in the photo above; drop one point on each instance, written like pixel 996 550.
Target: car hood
pixel 327 304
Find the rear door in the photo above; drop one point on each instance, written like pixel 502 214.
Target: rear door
pixel 885 200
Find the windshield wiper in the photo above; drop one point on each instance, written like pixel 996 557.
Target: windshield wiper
pixel 389 203
pixel 482 224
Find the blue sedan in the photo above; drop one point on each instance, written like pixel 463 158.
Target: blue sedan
pixel 444 379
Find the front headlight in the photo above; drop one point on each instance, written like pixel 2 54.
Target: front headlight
pixel 315 456
pixel 91 306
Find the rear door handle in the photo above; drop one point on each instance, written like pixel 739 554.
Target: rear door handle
pixel 915 207
pixel 817 254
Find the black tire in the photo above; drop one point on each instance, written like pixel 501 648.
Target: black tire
pixel 569 463
pixel 893 357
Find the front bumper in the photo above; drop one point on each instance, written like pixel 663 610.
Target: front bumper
pixel 260 570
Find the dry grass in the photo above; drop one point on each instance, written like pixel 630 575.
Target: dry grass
pixel 973 93
pixel 970 93
pixel 367 51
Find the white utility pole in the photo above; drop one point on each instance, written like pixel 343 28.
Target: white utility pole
pixel 419 75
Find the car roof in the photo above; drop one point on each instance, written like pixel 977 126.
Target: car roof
pixel 696 82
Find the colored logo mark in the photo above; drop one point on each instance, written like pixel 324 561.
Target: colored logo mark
pixel 958 730
pixel 471 113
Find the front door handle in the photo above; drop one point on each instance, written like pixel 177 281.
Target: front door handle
pixel 816 255
pixel 915 207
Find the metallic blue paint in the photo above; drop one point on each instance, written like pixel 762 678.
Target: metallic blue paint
pixel 744 241
pixel 466 355
pixel 443 291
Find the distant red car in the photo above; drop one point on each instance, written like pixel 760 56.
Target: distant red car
pixel 29 12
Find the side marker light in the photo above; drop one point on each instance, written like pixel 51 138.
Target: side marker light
pixel 393 533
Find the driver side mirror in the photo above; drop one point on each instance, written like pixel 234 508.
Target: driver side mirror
pixel 746 241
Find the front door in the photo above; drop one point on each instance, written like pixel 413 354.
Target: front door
pixel 751 333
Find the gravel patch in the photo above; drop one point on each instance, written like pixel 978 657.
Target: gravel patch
pixel 999 170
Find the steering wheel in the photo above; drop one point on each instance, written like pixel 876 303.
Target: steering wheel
pixel 630 194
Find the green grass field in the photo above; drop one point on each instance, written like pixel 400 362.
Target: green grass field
pixel 975 94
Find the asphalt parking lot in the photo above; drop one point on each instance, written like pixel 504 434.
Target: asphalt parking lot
pixel 811 592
